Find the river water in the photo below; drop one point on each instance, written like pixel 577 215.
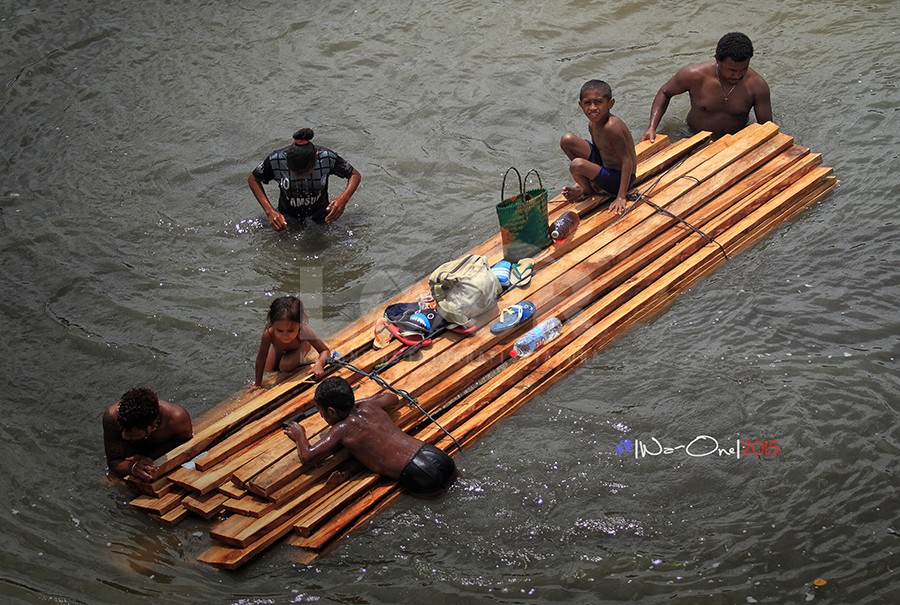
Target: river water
pixel 134 253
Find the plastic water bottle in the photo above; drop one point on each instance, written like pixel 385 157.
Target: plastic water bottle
pixel 564 226
pixel 541 334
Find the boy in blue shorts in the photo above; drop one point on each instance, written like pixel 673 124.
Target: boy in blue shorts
pixel 366 429
pixel 606 162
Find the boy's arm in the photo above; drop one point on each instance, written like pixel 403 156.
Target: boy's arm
pixel 327 444
pixel 618 205
pixel 624 147
pixel 676 85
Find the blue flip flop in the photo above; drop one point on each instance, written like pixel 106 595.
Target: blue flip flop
pixel 512 316
pixel 501 269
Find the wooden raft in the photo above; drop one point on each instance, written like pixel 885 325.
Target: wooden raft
pixel 614 273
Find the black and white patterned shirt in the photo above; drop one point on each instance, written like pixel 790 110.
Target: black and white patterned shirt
pixel 302 195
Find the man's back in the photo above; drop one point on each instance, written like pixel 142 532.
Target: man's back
pixel 374 440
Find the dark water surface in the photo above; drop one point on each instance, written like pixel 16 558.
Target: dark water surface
pixel 133 253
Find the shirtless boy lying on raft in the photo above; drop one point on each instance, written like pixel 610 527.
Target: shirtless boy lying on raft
pixel 365 428
pixel 607 162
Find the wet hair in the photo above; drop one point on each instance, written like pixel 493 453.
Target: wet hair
pixel 735 46
pixel 599 85
pixel 138 409
pixel 335 392
pixel 301 155
pixel 286 308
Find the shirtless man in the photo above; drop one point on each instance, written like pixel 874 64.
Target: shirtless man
pixel 607 161
pixel 367 431
pixel 140 428
pixel 722 91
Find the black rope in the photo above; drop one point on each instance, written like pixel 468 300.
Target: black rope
pixel 641 198
pixel 335 360
pixel 638 197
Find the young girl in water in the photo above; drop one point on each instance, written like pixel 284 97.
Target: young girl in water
pixel 286 341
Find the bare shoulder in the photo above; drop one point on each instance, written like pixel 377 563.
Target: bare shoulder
pixel 693 74
pixel 756 83
pixel 306 333
pixel 176 414
pixel 382 401
pixel 618 125
pixel 111 415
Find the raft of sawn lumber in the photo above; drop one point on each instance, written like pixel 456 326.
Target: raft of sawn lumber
pixel 614 273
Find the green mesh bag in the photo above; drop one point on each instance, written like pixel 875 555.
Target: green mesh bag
pixel 523 218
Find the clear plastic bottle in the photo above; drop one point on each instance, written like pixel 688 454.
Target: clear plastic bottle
pixel 541 334
pixel 563 227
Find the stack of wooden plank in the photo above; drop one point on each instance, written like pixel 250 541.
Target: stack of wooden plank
pixel 700 202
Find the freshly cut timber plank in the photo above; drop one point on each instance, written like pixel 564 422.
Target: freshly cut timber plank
pixel 247 434
pixel 201 440
pixel 204 482
pixel 326 509
pixel 672 154
pixel 288 476
pixel 261 464
pixel 249 506
pixel 230 557
pixel 231 525
pixel 242 535
pixel 174 516
pixel 206 506
pixel 157 506
pixel 156 489
pixel 339 462
pixel 346 517
pixel 232 491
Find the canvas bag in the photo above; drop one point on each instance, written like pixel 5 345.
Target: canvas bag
pixel 464 289
pixel 523 218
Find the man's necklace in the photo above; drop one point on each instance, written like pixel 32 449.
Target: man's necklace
pixel 719 78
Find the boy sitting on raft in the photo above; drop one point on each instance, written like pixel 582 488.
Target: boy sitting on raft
pixel 365 428
pixel 607 162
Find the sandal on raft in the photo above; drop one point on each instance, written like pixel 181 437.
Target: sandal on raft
pixel 513 316
pixel 521 272
pixel 501 269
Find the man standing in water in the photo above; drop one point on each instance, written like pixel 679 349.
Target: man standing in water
pixel 722 91
pixel 139 428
